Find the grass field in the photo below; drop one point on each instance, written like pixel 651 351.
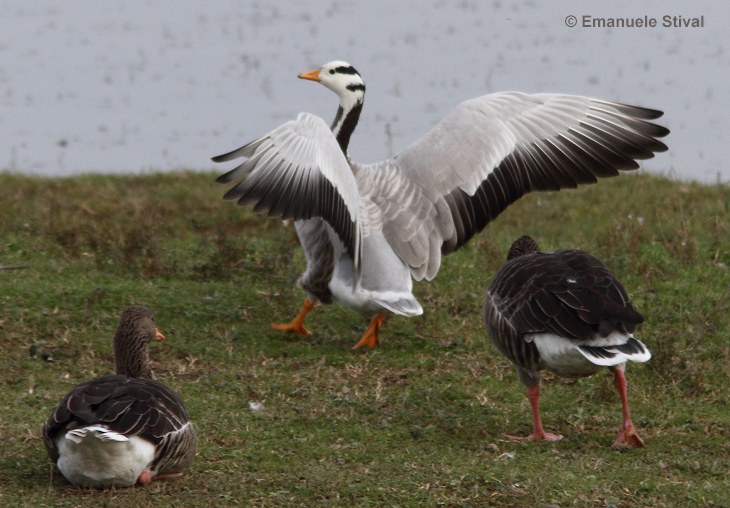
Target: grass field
pixel 419 421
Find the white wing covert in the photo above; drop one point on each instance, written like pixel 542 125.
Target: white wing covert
pixel 408 218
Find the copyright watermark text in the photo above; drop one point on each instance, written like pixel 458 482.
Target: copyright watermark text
pixel 665 21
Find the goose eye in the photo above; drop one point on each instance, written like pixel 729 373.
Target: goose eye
pixel 332 71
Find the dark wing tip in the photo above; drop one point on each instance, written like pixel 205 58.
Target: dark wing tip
pixel 646 113
pixel 244 151
pixel 660 132
pixel 224 178
pixel 658 146
pixel 655 131
pixel 631 110
pixel 228 155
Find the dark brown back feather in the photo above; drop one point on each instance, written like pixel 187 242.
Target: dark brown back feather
pixel 570 293
pixel 133 407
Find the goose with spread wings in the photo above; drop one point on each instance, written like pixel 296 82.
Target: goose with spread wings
pixel 368 229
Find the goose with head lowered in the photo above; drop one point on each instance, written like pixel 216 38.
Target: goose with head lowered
pixel 368 229
pixel 123 429
pixel 563 311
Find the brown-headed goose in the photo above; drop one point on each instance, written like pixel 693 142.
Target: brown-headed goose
pixel 563 311
pixel 368 229
pixel 122 429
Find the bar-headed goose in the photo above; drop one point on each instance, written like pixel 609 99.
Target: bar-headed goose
pixel 367 229
pixel 563 311
pixel 123 429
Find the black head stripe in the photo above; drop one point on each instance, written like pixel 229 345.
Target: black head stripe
pixel 346 70
pixel 354 88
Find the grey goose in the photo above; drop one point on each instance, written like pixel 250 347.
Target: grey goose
pixel 368 229
pixel 563 311
pixel 122 429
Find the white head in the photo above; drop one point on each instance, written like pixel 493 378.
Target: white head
pixel 341 78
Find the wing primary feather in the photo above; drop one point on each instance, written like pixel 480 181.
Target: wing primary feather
pixel 632 141
pixel 270 190
pixel 640 126
pixel 591 161
pixel 245 151
pixel 242 169
pixel 634 111
pixel 564 162
pixel 602 141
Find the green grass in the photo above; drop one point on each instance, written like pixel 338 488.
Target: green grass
pixel 418 421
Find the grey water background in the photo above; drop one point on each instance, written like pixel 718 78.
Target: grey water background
pixel 143 86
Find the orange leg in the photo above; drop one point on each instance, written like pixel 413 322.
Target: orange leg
pixel 538 432
pixel 296 325
pixel 628 435
pixel 370 337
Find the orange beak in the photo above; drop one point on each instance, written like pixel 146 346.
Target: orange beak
pixel 159 337
pixel 311 75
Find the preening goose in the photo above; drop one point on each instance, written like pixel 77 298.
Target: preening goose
pixel 123 429
pixel 366 229
pixel 563 311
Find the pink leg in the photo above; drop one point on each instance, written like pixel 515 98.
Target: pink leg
pixel 168 475
pixel 628 435
pixel 538 432
pixel 145 477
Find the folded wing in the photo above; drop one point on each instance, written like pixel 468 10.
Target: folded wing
pixel 129 406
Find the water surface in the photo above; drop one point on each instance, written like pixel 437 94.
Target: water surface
pixel 136 86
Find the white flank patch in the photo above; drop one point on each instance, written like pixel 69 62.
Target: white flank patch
pixel 94 456
pixel 562 356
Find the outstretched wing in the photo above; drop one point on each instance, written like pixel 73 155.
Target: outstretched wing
pixel 488 152
pixel 298 171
